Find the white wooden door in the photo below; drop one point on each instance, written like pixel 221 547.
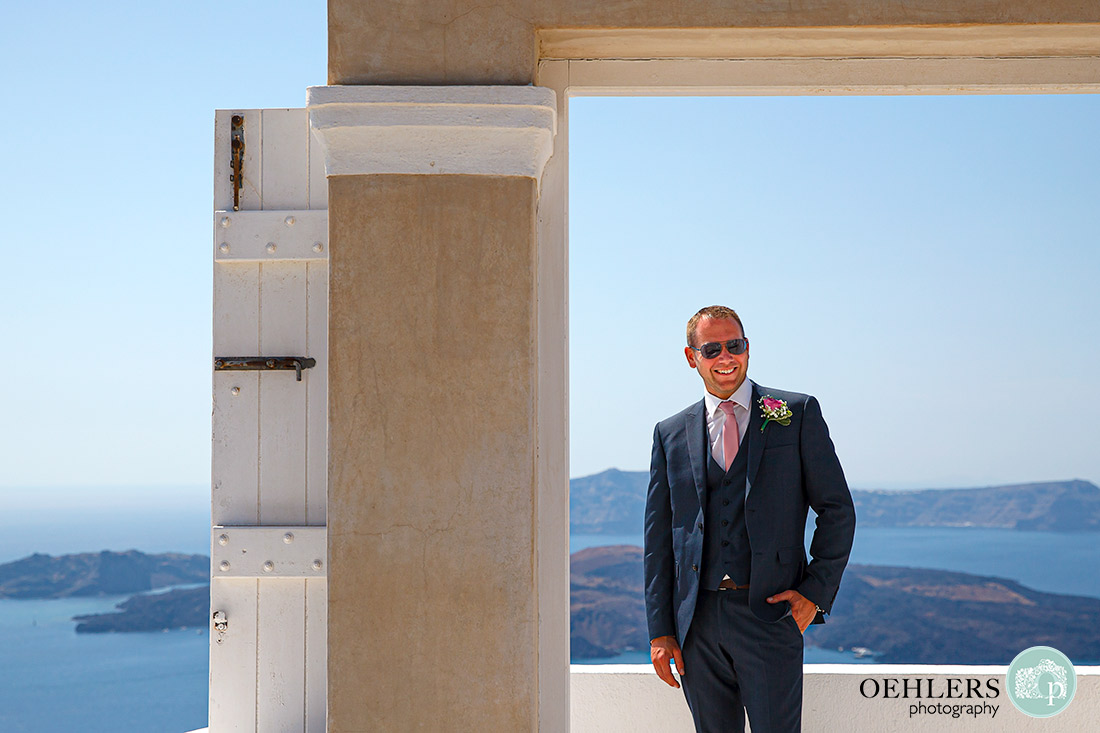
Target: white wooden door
pixel 268 589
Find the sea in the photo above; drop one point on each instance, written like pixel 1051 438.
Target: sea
pixel 1054 562
pixel 55 681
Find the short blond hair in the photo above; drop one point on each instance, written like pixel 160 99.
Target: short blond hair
pixel 711 311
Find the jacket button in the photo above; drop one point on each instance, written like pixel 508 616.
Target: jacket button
pixel 725 522
pixel 725 543
pixel 725 502
pixel 695 567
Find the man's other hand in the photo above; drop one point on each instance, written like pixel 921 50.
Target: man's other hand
pixel 802 608
pixel 663 650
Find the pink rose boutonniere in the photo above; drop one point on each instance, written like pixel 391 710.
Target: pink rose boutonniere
pixel 774 411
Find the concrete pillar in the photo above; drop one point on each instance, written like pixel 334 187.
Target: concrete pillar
pixel 440 616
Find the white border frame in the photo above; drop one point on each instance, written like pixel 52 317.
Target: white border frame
pixel 837 76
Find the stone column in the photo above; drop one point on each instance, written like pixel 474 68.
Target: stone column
pixel 445 401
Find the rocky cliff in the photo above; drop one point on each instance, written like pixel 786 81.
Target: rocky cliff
pixel 99 574
pixel 904 615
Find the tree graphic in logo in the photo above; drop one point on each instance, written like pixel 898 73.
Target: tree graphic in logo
pixel 1041 681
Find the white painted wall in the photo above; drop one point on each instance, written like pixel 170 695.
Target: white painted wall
pixel 631 699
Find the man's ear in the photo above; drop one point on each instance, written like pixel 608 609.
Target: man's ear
pixel 690 354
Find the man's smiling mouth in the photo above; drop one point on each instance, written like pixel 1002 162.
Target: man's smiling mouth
pixel 731 370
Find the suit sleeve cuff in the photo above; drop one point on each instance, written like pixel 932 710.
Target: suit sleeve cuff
pixel 814 591
pixel 656 631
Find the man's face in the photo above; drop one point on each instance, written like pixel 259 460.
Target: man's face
pixel 723 374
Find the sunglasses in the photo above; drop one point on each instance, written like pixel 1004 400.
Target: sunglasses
pixel 712 349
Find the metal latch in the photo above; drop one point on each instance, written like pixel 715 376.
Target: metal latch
pixel 236 164
pixel 263 363
pixel 221 623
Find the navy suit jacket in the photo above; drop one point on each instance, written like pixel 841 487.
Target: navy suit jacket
pixel 790 467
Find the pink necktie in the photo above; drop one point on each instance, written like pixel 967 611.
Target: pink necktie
pixel 730 438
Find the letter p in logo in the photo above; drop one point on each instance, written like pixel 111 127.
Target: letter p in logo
pixel 1050 692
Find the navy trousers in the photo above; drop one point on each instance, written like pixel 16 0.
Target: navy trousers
pixel 734 664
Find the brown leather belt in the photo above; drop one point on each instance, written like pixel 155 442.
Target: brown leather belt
pixel 730 585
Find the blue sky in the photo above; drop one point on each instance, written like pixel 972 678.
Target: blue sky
pixel 107 186
pixel 925 265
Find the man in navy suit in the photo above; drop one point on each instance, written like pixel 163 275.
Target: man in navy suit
pixel 728 591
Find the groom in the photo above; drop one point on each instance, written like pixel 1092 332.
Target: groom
pixel 728 592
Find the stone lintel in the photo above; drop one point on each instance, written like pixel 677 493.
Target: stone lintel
pixel 432 42
pixel 434 130
pixel 937 41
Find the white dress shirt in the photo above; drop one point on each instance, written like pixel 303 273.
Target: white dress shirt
pixel 716 417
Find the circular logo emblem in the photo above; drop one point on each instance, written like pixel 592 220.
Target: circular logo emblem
pixel 1041 681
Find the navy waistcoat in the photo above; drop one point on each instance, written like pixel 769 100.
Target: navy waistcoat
pixel 725 537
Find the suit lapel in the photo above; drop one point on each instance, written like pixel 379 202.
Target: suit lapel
pixel 755 438
pixel 696 428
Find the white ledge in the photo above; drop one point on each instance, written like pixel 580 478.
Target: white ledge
pixel 468 130
pixel 631 699
pixel 863 670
